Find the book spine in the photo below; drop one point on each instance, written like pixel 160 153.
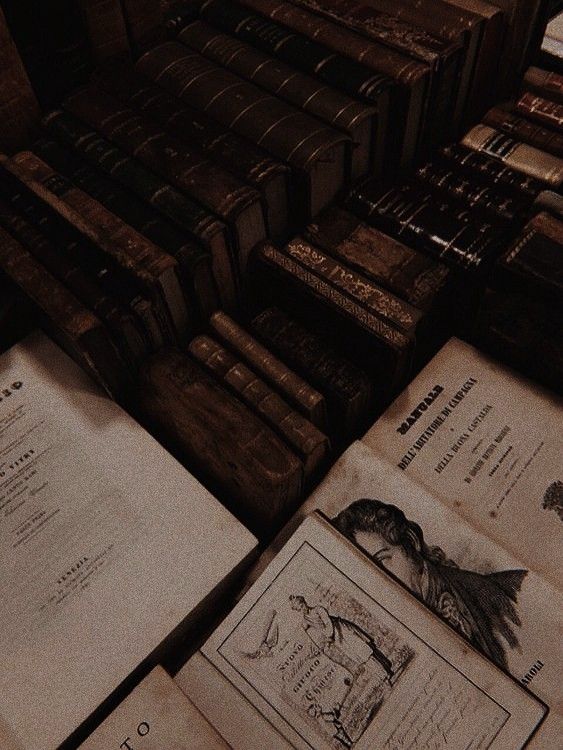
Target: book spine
pixel 107 33
pixel 301 394
pixel 545 111
pixel 143 19
pixel 525 130
pixel 546 83
pixel 515 154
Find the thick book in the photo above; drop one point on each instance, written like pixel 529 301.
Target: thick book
pixel 19 109
pixel 413 214
pixel 327 650
pixel 301 436
pixel 356 119
pixel 419 279
pixel 485 442
pixel 487 595
pixel 106 28
pixel 545 83
pixel 314 150
pixel 185 213
pixel 194 260
pixel 156 715
pixel 520 156
pixel 233 450
pixel 149 266
pixel 412 77
pixel 239 155
pixel 298 392
pixel 104 519
pixel 371 341
pixel 543 110
pixel 521 129
pixel 71 323
pixel 349 392
pixel 179 164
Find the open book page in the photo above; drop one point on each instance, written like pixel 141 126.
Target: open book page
pixel 106 544
pixel 488 444
pixel 155 716
pixel 330 652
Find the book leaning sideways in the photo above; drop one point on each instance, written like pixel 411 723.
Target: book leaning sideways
pixel 327 651
pixel 107 546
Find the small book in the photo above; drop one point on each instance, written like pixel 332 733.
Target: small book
pixel 156 715
pixel 149 266
pixel 348 390
pixel 525 130
pixel 543 110
pixel 484 442
pixel 549 201
pixel 300 435
pixel 314 150
pixel 546 83
pixel 494 600
pixel 231 448
pixel 312 95
pixel 520 156
pixel 327 650
pixel 298 392
pixel 179 164
pixel 112 551
pixel 185 213
pixel 237 154
pixel 417 278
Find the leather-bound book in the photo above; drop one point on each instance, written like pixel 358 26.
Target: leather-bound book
pixel 315 151
pixel 546 83
pixel 415 277
pixel 520 156
pixel 149 266
pixel 65 268
pixel 182 166
pixel 348 390
pixel 181 210
pixel 194 259
pixel 300 435
pixel 19 110
pixel 524 130
pixel 471 192
pixel 107 32
pixel 412 78
pixel 221 439
pixel 296 391
pixel 415 215
pixel 550 202
pixel 57 226
pixel 239 155
pixel 532 265
pixel 494 171
pixel 444 56
pixel 143 19
pixel 541 110
pixel 74 327
pixel 335 108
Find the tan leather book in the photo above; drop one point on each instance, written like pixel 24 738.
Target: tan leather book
pixel 546 83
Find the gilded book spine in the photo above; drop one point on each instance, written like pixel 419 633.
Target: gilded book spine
pixel 540 109
pixel 524 130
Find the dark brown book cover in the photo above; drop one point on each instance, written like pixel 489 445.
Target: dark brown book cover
pixel 298 392
pixel 315 150
pixel 184 167
pixel 151 267
pixel 19 109
pixel 77 330
pixel 143 19
pixel 543 110
pixel 239 155
pixel 546 83
pixel 184 213
pixel 312 95
pixel 225 443
pixel 300 435
pixel 349 391
pixel 107 32
pixel 525 130
pixel 412 275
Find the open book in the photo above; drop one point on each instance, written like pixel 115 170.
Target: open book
pixel 326 650
pixel 107 546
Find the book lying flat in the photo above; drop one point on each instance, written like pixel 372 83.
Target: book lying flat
pixel 326 650
pixel 107 545
pixel 155 716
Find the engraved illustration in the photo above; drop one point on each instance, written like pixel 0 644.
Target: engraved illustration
pixel 480 606
pixel 553 498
